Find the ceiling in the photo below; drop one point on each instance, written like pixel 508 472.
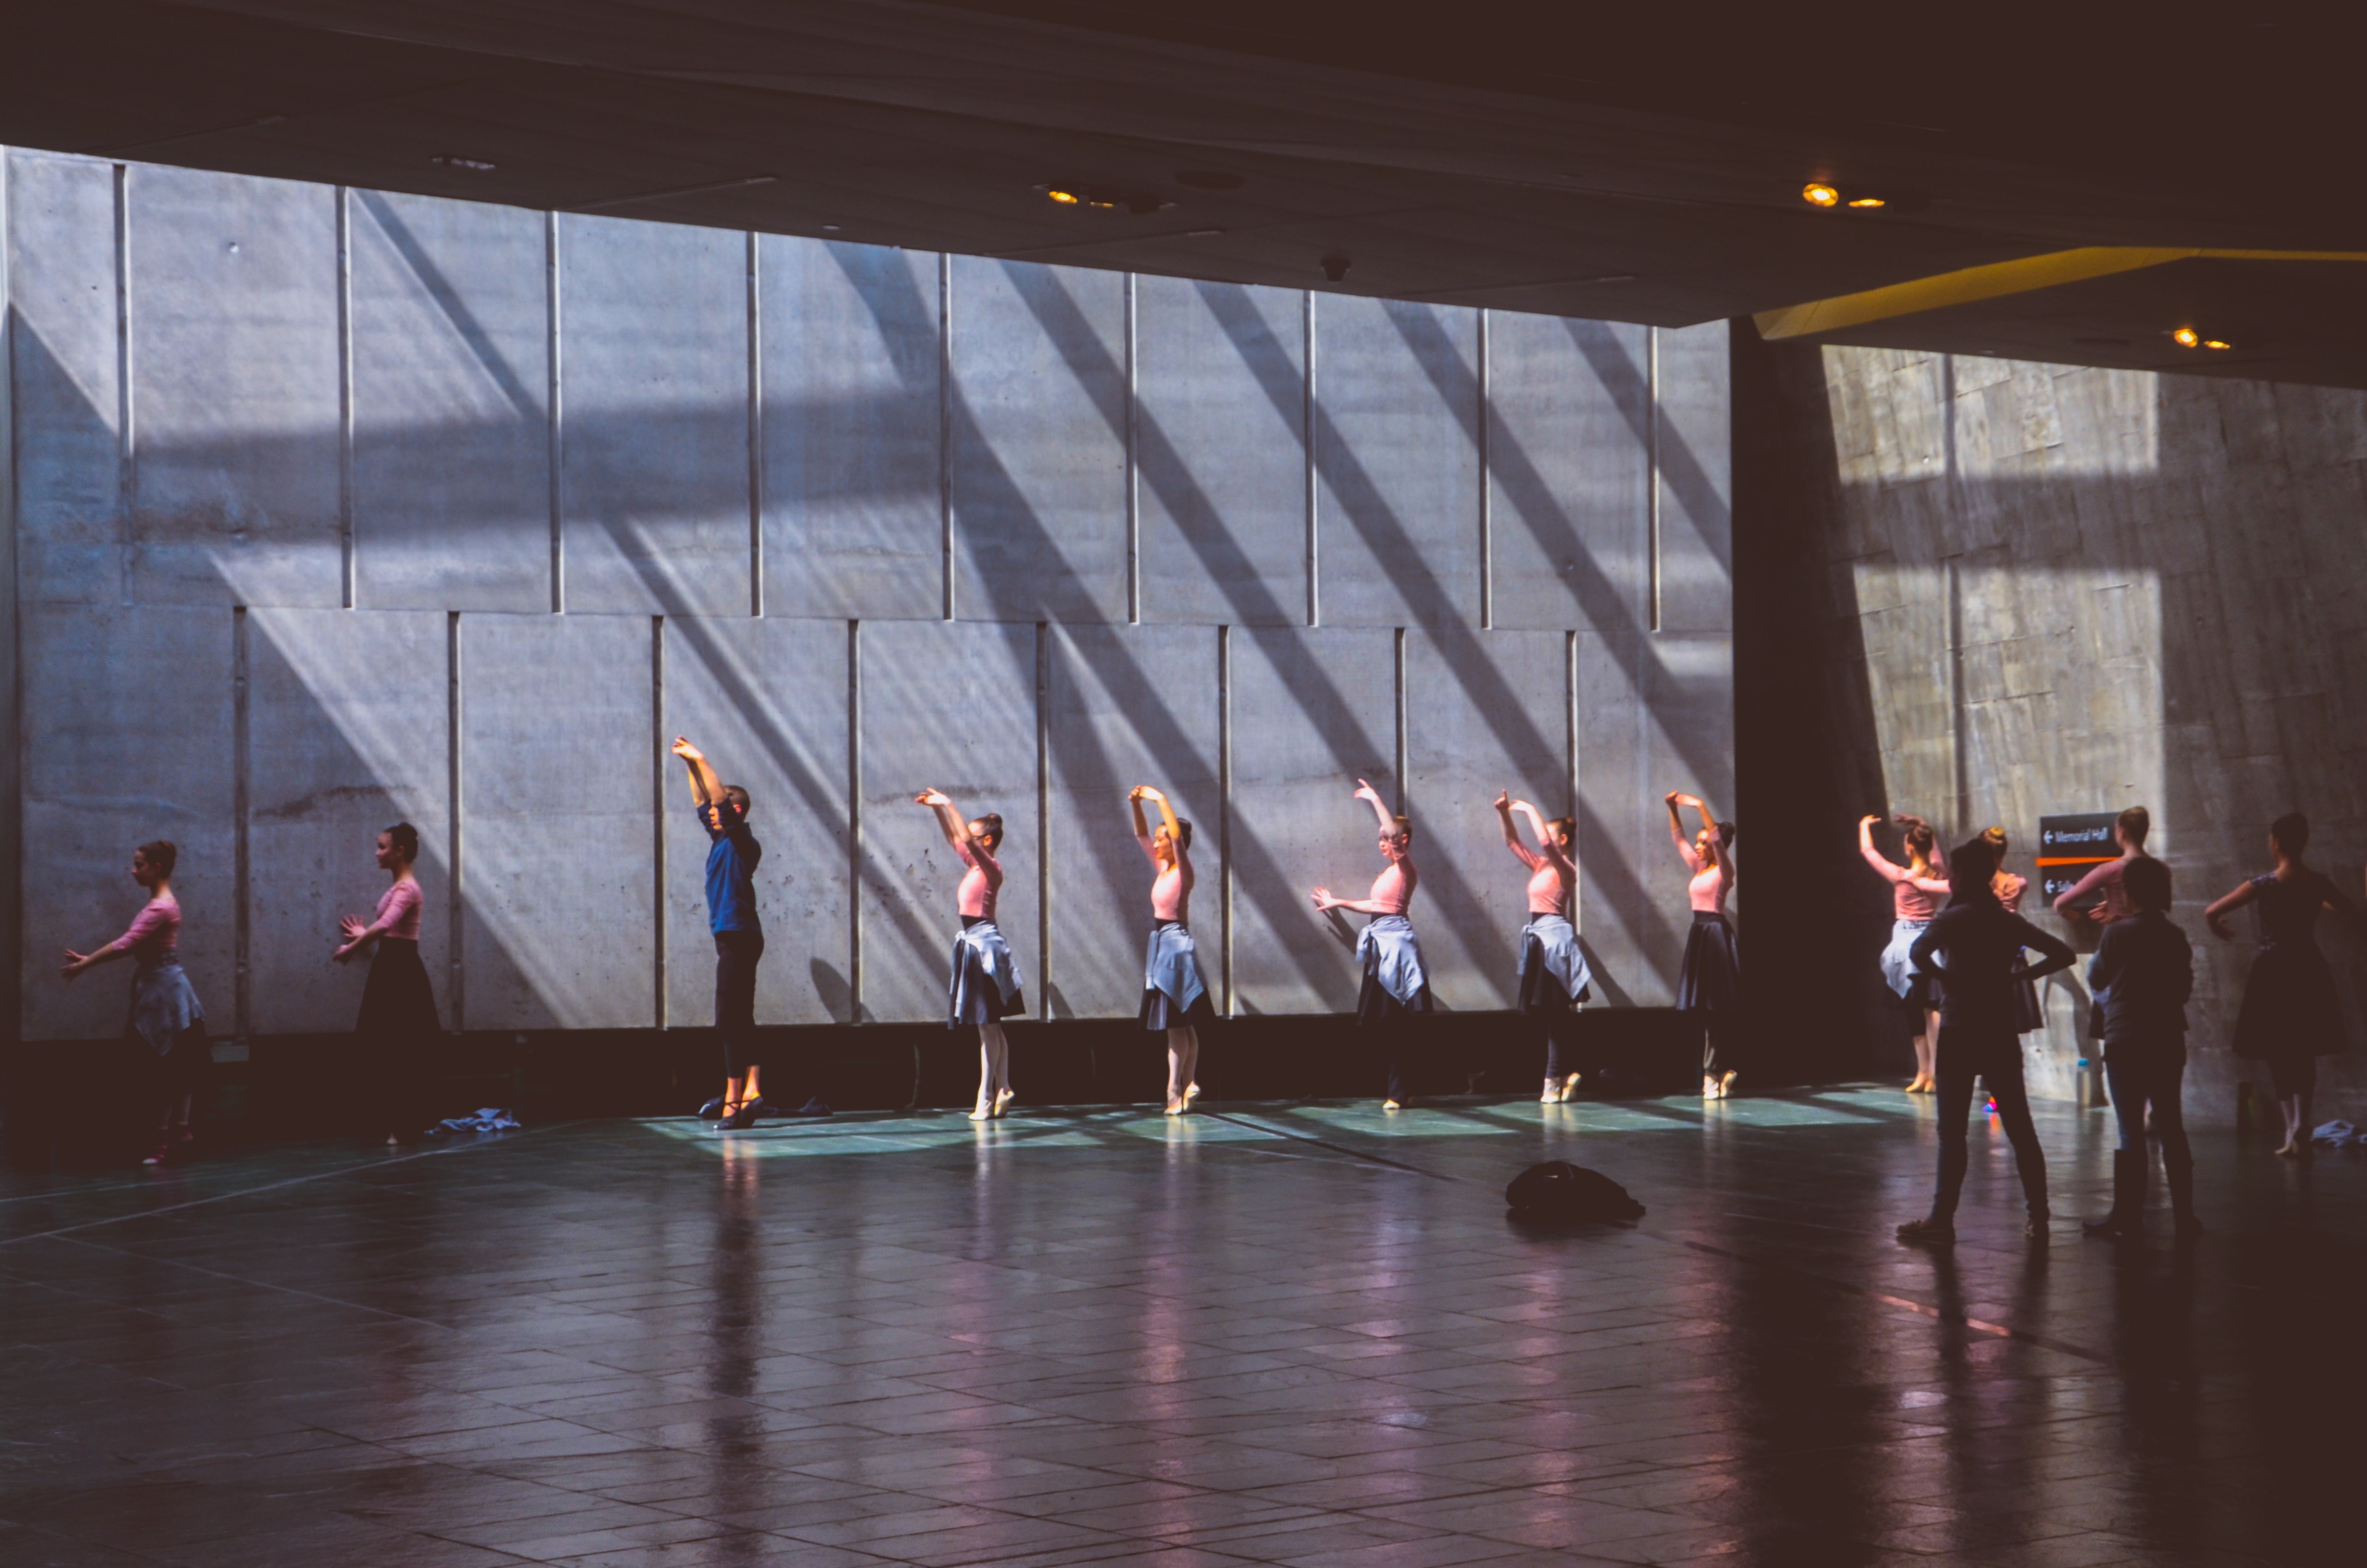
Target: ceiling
pixel 1632 163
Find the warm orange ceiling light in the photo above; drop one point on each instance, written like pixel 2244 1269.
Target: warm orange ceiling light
pixel 1869 201
pixel 2186 337
pixel 1065 197
pixel 1816 193
pixel 2215 343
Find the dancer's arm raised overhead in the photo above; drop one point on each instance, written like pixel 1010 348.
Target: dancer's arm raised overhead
pixel 1889 870
pixel 1693 862
pixel 1550 848
pixel 1505 807
pixel 952 824
pixel 1393 889
pixel 1173 832
pixel 1709 848
pixel 705 788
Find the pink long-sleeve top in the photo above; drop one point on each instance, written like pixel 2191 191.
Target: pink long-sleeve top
pixel 154 933
pixel 1550 875
pixel 2105 880
pixel 398 910
pixel 982 884
pixel 1911 897
pixel 1393 889
pixel 1171 890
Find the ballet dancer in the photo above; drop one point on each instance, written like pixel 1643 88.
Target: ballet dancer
pixel 1397 986
pixel 1553 973
pixel 2129 830
pixel 2290 1016
pixel 732 855
pixel 165 1014
pixel 398 1019
pixel 985 988
pixel 1972 946
pixel 1916 890
pixel 2144 973
pixel 1174 996
pixel 2028 1015
pixel 1711 981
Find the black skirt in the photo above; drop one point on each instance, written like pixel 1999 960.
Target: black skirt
pixel 1160 1011
pixel 398 1004
pixel 2290 1008
pixel 1712 978
pixel 1541 989
pixel 1377 1005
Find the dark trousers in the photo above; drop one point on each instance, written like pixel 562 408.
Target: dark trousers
pixel 2138 1078
pixel 1561 1043
pixel 736 953
pixel 1994 1056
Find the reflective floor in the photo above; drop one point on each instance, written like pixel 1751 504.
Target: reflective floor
pixel 1301 1334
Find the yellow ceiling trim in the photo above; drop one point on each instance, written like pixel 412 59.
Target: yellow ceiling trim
pixel 1997 280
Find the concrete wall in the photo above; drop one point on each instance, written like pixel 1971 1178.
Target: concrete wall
pixel 331 508
pixel 2023 589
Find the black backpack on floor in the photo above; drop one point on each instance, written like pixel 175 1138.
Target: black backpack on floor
pixel 1559 1190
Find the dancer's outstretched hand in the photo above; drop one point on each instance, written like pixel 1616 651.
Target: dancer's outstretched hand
pixel 1323 899
pixel 1503 800
pixel 931 798
pixel 1367 792
pixel 684 750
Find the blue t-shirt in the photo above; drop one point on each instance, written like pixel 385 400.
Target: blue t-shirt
pixel 730 869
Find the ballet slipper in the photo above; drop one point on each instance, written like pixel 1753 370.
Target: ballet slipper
pixel 985 1111
pixel 1553 1092
pixel 1569 1088
pixel 1191 1093
pixel 1710 1090
pixel 1391 1104
pixel 1725 1085
pixel 1003 1098
pixel 1178 1106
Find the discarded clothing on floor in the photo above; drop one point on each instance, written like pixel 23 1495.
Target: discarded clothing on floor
pixel 1559 1190
pixel 486 1120
pixel 2338 1135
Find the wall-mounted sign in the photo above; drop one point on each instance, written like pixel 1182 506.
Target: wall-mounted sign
pixel 2071 846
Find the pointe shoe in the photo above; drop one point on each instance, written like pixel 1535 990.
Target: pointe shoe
pixel 1725 1085
pixel 1711 1090
pixel 1568 1089
pixel 1177 1107
pixel 1191 1093
pixel 1553 1092
pixel 985 1111
pixel 1003 1099
pixel 1391 1104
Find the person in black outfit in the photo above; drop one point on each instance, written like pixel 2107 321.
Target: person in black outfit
pixel 739 934
pixel 2290 1016
pixel 2143 973
pixel 1972 946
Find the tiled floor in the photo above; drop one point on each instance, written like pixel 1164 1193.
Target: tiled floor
pixel 1300 1335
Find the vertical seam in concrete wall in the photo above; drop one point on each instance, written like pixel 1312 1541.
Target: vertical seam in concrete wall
pixel 12 767
pixel 242 803
pixel 1961 808
pixel 452 832
pixel 946 428
pixel 1487 497
pixel 558 419
pixel 1044 815
pixel 1399 677
pixel 1652 472
pixel 1225 808
pixel 855 822
pixel 755 429
pixel 657 755
pixel 126 444
pixel 347 547
pixel 1306 443
pixel 1133 469
pixel 1569 776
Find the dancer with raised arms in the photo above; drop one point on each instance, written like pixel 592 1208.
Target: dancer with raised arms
pixel 732 855
pixel 165 1015
pixel 1174 993
pixel 1397 986
pixel 1711 981
pixel 1916 890
pixel 2290 1015
pixel 398 1023
pixel 985 987
pixel 1553 974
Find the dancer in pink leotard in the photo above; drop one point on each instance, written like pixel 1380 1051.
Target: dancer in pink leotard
pixel 1711 981
pixel 1552 977
pixel 985 988
pixel 1396 983
pixel 1917 891
pixel 1174 993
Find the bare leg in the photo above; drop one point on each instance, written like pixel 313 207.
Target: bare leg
pixel 2297 1128
pixel 734 1091
pixel 754 1094
pixel 993 1071
pixel 1182 1064
pixel 1927 1053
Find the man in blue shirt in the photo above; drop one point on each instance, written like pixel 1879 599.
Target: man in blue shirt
pixel 738 933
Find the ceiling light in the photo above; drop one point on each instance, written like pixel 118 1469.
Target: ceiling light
pixel 1105 198
pixel 453 161
pixel 2215 343
pixel 2187 337
pixel 1817 194
pixel 1065 197
pixel 1869 201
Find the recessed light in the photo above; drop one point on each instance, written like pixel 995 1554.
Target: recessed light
pixel 2215 343
pixel 830 228
pixel 2187 337
pixel 1869 201
pixel 1209 180
pixel 453 161
pixel 1816 193
pixel 1104 199
pixel 1065 197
